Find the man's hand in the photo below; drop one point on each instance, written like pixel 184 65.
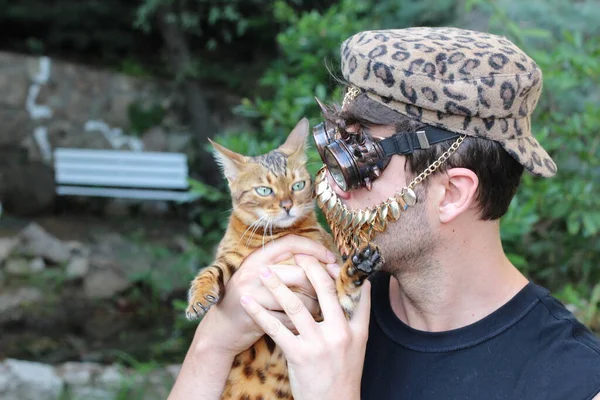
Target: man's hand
pixel 326 359
pixel 227 330
pixel 229 325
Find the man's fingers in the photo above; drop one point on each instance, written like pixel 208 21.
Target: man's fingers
pixel 285 320
pixel 290 303
pixel 324 286
pixel 294 277
pixel 268 323
pixel 333 270
pixel 270 303
pixel 285 247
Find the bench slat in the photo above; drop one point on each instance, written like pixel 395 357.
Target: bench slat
pixel 121 174
pixel 123 181
pixel 116 155
pixel 124 193
pixel 120 169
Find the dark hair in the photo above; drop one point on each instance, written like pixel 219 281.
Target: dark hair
pixel 498 172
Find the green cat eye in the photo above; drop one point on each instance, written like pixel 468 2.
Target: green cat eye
pixel 298 185
pixel 264 190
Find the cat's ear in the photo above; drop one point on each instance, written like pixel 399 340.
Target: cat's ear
pixel 296 141
pixel 230 162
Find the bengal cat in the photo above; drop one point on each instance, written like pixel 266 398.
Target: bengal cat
pixel 272 197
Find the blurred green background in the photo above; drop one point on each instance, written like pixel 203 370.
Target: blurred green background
pixel 272 58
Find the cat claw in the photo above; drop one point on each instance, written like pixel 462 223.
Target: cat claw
pixel 200 308
pixel 364 262
pixel 211 299
pixel 192 315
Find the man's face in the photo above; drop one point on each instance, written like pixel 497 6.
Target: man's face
pixel 407 240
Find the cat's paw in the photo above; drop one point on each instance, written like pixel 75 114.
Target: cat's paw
pixel 199 305
pixel 203 293
pixel 363 263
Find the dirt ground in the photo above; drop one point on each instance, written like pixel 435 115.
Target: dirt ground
pixel 79 227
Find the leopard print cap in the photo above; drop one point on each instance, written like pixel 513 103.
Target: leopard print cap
pixel 469 82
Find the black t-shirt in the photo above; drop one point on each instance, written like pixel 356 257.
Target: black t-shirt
pixel 530 348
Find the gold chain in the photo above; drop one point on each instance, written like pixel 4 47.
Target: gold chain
pixel 437 163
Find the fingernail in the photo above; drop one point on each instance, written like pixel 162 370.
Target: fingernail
pixel 265 272
pixel 331 257
pixel 245 299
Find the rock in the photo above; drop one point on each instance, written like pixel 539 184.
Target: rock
pixel 91 393
pixel 23 267
pixel 15 84
pixel 112 250
pixel 173 370
pixel 37 265
pixel 178 142
pixel 8 385
pixel 77 248
pixel 29 188
pixel 24 380
pixel 31 381
pixel 13 302
pixel 77 268
pixel 104 283
pixel 15 126
pixel 78 373
pixel 111 377
pixel 155 207
pixel 6 247
pixel 36 242
pixel 155 139
pixel 17 267
pixel 118 207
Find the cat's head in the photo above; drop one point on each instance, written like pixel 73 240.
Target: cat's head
pixel 274 188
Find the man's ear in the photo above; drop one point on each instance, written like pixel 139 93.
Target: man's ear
pixel 230 162
pixel 460 191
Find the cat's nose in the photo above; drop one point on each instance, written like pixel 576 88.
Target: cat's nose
pixel 286 204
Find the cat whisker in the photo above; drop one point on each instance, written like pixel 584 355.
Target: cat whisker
pixel 256 226
pixel 268 225
pixel 253 225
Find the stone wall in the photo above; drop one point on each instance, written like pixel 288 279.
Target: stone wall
pixel 25 380
pixel 48 103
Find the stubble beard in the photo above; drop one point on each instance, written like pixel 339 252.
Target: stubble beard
pixel 408 244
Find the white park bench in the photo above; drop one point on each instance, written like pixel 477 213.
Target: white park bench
pixel 122 174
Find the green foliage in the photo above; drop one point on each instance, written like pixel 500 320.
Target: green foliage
pixel 196 17
pixel 142 118
pixel 97 31
pixel 309 44
pixel 585 303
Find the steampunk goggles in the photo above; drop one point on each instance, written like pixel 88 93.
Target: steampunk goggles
pixel 356 160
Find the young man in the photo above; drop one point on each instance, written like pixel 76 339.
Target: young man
pixel 450 316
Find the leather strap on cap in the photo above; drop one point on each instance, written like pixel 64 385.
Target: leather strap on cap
pixel 423 138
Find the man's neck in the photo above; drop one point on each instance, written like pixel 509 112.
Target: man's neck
pixel 458 286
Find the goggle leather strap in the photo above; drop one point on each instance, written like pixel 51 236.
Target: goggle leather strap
pixel 407 143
